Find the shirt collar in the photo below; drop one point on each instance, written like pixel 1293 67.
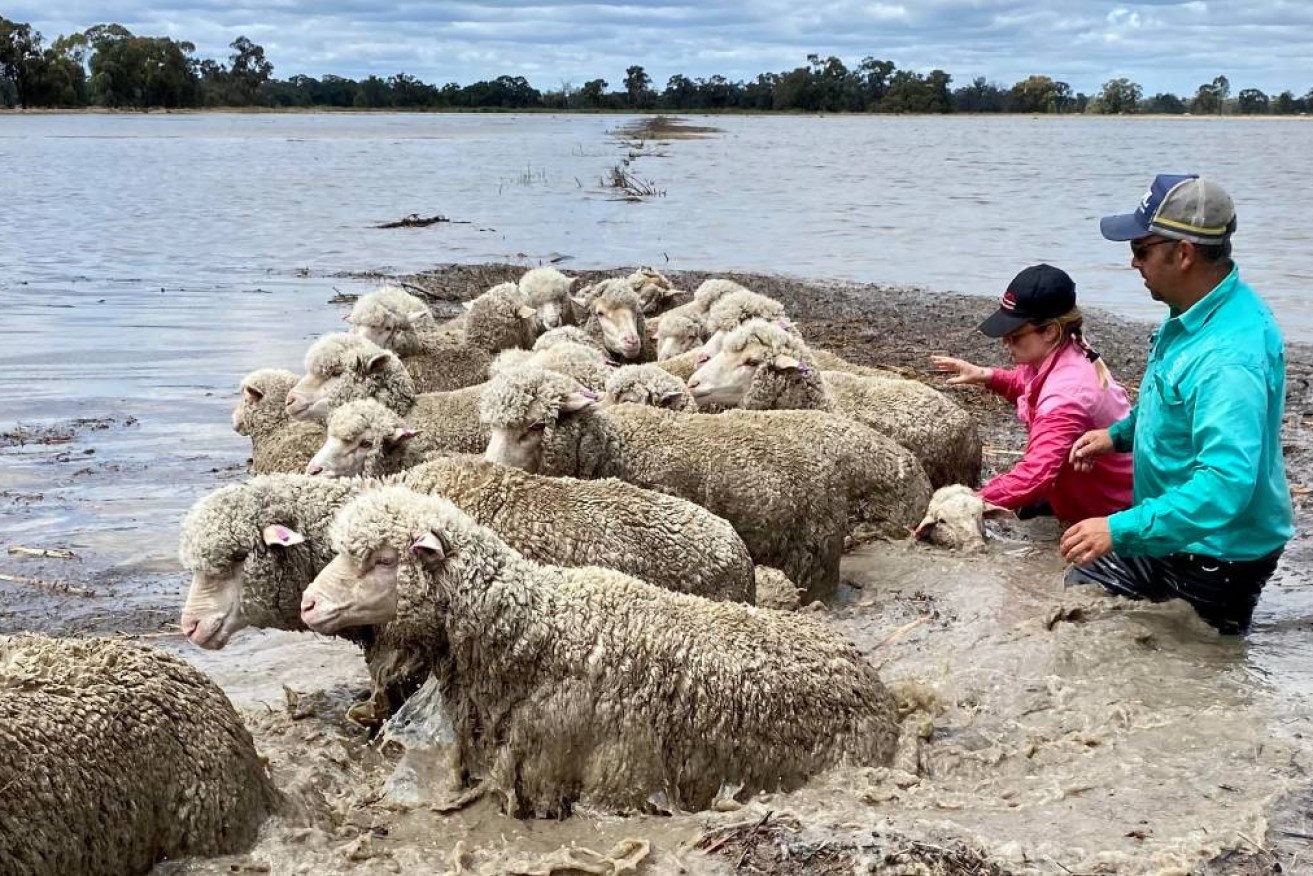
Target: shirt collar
pixel 1197 316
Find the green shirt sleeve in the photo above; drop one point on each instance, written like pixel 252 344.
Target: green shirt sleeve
pixel 1229 418
pixel 1123 433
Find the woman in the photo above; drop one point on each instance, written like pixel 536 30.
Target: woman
pixel 1062 390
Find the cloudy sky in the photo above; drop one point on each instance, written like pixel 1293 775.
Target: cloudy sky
pixel 1164 45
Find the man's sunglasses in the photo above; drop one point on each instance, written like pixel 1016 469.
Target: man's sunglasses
pixel 1140 250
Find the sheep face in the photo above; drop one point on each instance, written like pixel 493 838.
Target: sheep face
pixel 521 407
pixel 362 437
pixel 353 593
pixel 955 518
pixel 221 562
pixel 618 319
pixel 338 372
pixel 262 397
pixel 678 334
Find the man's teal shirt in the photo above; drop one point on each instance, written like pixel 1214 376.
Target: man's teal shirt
pixel 1206 434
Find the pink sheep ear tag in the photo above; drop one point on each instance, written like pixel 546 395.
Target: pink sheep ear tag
pixel 430 546
pixel 278 534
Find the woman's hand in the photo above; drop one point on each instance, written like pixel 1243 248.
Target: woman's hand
pixel 1088 446
pixel 964 372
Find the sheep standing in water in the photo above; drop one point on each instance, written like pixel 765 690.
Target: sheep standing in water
pixel 278 443
pixel 437 360
pixel 763 366
pixel 118 756
pixel 586 686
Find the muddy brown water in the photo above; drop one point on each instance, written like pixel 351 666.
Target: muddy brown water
pixel 1066 731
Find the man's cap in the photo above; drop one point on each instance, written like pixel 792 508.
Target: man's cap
pixel 1039 293
pixel 1179 207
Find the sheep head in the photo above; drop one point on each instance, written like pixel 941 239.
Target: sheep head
pixel 755 352
pixel 678 333
pixel 547 291
pixel 648 385
pixel 363 438
pixel 616 314
pixel 263 400
pixel 238 534
pixel 341 368
pixel 390 317
pixel 381 538
pixel 955 518
pixel 522 406
pixel 732 310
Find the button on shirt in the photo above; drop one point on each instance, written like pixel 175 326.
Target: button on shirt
pixel 1206 434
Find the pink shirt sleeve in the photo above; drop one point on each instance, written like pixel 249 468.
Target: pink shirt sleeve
pixel 1007 382
pixel 1051 436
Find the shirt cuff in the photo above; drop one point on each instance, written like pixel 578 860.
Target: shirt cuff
pixel 1121 441
pixel 1125 527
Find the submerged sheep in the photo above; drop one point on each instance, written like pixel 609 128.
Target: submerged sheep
pixel 118 756
pixel 586 686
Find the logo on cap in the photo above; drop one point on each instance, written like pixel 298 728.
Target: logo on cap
pixel 1009 301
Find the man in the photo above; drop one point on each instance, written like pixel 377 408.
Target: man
pixel 1212 508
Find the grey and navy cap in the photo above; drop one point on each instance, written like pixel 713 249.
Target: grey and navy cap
pixel 1179 207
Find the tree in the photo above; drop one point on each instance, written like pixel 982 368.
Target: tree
pixel 1164 104
pixel 680 92
pixel 141 72
pixel 1119 96
pixel 248 69
pixel 20 57
pixel 979 97
pixel 873 77
pixel 913 93
pixel 1252 102
pixel 1211 96
pixel 638 88
pixel 593 93
pixel 1039 94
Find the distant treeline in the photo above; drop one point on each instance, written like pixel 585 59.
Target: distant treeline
pixel 108 66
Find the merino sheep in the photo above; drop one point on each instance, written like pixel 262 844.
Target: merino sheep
pixel 956 518
pixel 614 317
pixel 278 443
pixel 437 360
pixel 586 363
pixel 655 292
pixel 366 438
pixel 734 309
pixel 666 541
pixel 587 686
pixel 566 333
pixel 777 476
pixel 762 366
pixel 501 318
pixel 340 368
pixel 648 385
pixel 683 365
pixel 547 291
pixel 775 590
pixel 683 329
pixel 118 756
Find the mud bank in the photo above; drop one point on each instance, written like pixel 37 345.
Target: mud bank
pixel 1047 730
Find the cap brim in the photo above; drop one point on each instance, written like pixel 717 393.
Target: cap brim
pixel 1002 323
pixel 1122 228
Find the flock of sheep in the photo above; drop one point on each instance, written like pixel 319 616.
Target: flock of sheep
pixel 588 513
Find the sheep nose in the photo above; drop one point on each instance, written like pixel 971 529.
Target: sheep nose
pixel 694 384
pixel 307 604
pixel 314 469
pixel 189 625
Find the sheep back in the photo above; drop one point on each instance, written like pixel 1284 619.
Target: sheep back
pixel 118 756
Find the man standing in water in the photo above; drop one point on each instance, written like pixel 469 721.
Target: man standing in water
pixel 1212 509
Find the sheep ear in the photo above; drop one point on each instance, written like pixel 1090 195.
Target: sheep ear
pixel 429 547
pixel 377 362
pixel 524 311
pixel 997 512
pixel 786 363
pixel 467 304
pixel 671 400
pixel 276 533
pixel 252 394
pixel 415 316
pixel 578 300
pixel 402 435
pixel 580 400
pixel 924 528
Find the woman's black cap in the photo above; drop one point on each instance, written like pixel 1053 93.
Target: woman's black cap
pixel 1039 293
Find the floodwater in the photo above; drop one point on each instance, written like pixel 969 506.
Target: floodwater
pixel 148 262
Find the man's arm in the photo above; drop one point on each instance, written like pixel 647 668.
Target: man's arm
pixel 1230 417
pixel 1123 432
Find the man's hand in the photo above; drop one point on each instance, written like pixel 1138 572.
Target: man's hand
pixel 964 372
pixel 1087 541
pixel 1088 446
